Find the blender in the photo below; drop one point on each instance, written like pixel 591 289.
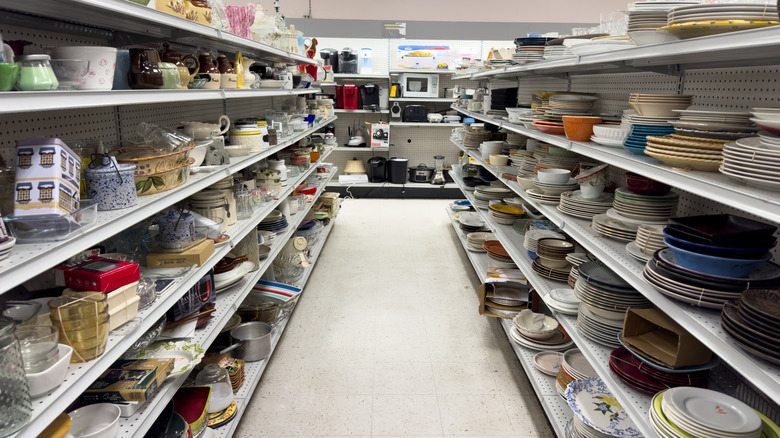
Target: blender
pixel 438 175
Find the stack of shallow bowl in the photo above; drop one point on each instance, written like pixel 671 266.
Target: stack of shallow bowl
pixel 498 255
pixel 605 299
pixel 649 239
pixel 82 323
pixel 549 337
pixel 754 323
pixel 475 240
pixel 573 366
pixel 643 376
pixel 553 252
pixel 617 229
pixel 703 413
pixel 754 161
pixel 505 214
pixel 610 135
pixel 640 127
pixel 658 105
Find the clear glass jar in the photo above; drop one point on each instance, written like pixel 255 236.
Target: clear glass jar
pixel 221 390
pixel 15 403
pixel 36 74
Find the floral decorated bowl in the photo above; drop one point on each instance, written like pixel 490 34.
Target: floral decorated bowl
pixel 149 184
pixel 149 161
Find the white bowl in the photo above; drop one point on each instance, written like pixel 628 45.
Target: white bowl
pixel 42 382
pixel 486 148
pixel 239 151
pixel 524 324
pixel 591 192
pixel 199 151
pixel 100 420
pixel 498 160
pixel 612 132
pixel 554 176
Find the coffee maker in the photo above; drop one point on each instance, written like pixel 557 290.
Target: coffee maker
pixel 348 61
pixel 377 169
pixel 330 57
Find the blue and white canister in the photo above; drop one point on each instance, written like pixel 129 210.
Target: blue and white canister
pixel 111 184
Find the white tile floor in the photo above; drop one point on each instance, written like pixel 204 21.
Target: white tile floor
pixel 387 341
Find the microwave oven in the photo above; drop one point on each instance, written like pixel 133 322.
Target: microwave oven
pixel 419 85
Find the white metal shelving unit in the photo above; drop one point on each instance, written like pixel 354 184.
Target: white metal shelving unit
pixel 362 149
pixel 554 406
pixel 426 124
pixel 422 99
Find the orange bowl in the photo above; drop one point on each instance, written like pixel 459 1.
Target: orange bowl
pixel 579 128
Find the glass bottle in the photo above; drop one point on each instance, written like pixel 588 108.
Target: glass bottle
pixel 221 390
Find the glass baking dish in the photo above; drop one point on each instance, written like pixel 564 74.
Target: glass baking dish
pixel 50 227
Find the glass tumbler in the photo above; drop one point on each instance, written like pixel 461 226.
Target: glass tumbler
pixel 244 204
pixel 15 404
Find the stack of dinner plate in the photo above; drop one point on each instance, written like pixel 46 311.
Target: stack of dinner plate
pixel 573 366
pixel 651 208
pixel 574 204
pixel 475 240
pixel 754 161
pixel 649 239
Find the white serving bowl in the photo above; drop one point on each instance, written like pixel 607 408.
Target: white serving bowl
pixel 100 420
pixel 487 148
pixel 524 324
pixel 554 176
pixel 199 151
pixel 612 132
pixel 239 151
pixel 50 378
pixel 498 160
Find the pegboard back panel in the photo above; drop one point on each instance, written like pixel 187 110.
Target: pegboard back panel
pixel 71 126
pixel 55 34
pixel 613 89
pixel 243 108
pixel 739 87
pixel 169 115
pixel 527 86
pixel 420 144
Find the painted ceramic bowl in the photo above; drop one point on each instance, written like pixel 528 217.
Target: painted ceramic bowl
pixel 149 161
pixel 163 181
pixel 112 185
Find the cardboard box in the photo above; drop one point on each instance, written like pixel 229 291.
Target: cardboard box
pixel 115 298
pixel 196 255
pixel 39 196
pixel 488 290
pixel 657 336
pixel 423 57
pixel 129 380
pixel 380 135
pixel 330 202
pixel 101 274
pixel 47 158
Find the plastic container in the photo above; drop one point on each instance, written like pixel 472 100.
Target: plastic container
pixel 707 264
pixel 95 421
pixel 366 61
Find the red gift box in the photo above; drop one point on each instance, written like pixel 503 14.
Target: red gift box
pixel 101 274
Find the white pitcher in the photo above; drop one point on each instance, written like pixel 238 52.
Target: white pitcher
pixel 200 130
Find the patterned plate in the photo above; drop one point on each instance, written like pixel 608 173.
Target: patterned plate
pixel 594 405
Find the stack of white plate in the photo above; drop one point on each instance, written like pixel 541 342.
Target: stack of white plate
pixel 596 412
pixel 750 161
pixel 539 196
pixel 476 239
pixel 767 118
pixel 614 228
pixel 651 208
pixel 599 44
pixel 649 239
pixel 605 298
pixel 644 18
pixel 556 189
pixel 714 114
pixel 722 12
pixel 531 240
pixel 631 117
pixel 563 300
pixel 573 366
pixel 687 411
pixel 557 52
pixel 574 204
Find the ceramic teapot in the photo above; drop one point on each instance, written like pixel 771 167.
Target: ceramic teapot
pixel 200 130
pixel 145 70
pixel 185 73
pixel 207 66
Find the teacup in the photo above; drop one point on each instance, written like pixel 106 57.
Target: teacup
pixel 9 72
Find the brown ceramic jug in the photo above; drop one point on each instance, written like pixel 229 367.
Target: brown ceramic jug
pixel 185 73
pixel 144 72
pixel 207 66
pixel 225 65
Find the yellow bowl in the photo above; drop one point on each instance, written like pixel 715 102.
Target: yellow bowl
pixel 149 161
pixel 506 209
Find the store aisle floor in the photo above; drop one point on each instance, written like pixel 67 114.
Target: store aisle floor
pixel 387 341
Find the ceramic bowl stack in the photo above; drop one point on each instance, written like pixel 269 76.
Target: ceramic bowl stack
pixel 550 337
pixel 658 105
pixel 597 414
pixel 470 222
pixel 754 161
pixel 473 138
pixel 491 147
pixel 560 105
pixel 573 366
pixel 275 221
pixel 641 376
pixel 699 289
pixel 563 301
pixel 498 255
pixel 610 135
pixel 649 239
pixel 767 118
pixel 754 323
pixel 484 194
pixel 505 214
pixel 693 21
pixel 476 239
pixel 605 299
pixel 642 126
pixel 696 412
pixel 574 204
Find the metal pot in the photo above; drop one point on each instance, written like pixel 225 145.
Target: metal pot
pixel 421 173
pixel 253 341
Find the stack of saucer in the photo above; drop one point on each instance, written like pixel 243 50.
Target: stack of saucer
pixel 475 240
pixel 574 204
pixel 562 300
pixel 498 254
pixel 473 138
pixel 649 239
pixel 275 221
pixel 576 259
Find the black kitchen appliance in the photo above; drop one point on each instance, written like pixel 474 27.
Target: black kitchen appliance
pixel 395 111
pixel 395 90
pixel 397 170
pixel 330 57
pixel 415 113
pixel 421 173
pixel 348 61
pixel 377 169
pixel 369 96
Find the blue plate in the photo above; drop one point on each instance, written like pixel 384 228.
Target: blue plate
pixel 684 370
pixel 463 202
pixel 638 151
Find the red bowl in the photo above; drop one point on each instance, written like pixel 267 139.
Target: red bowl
pixel 645 186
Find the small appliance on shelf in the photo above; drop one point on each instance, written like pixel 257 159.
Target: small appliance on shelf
pixel 419 85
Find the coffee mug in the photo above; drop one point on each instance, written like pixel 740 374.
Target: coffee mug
pixel 9 72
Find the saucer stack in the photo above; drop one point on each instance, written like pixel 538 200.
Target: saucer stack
pixel 754 323
pixel 473 138
pixel 562 301
pixel 573 366
pixel 576 259
pixel 574 204
pixel 649 239
pixel 754 161
pixel 650 208
pixel 498 254
pixel 475 240
pixel 505 214
pixel 605 299
pixel 470 222
pixel 275 221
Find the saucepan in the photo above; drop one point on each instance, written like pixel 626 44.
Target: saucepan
pixel 252 341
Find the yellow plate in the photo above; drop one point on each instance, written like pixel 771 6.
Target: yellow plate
pixel 506 209
pixel 686 163
pixel 704 28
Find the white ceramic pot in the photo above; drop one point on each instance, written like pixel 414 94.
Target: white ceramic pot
pixel 102 64
pixel 199 130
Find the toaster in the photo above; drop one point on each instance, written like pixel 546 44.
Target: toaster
pixel 415 113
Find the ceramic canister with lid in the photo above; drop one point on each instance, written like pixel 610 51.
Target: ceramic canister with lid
pixel 281 167
pixel 111 184
pixel 247 134
pixel 270 180
pixel 217 199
